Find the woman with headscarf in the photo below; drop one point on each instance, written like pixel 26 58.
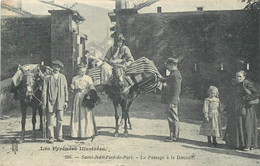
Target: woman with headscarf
pixel 118 55
pixel 241 130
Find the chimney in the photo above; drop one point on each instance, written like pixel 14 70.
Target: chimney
pixel 159 9
pixel 200 9
pixel 118 4
pixel 19 4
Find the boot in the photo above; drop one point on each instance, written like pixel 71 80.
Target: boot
pixel 171 138
pixel 215 144
pixel 209 141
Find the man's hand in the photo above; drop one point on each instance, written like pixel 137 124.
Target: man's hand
pixel 65 105
pixel 164 84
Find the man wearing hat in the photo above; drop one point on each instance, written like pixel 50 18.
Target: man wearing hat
pixel 55 98
pixel 170 98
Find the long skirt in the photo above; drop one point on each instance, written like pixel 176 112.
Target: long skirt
pixel 242 130
pixel 213 127
pixel 82 124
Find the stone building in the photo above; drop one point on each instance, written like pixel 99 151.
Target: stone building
pixel 32 39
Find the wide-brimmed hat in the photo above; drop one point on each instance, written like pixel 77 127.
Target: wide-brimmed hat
pixel 80 66
pixel 59 63
pixel 172 61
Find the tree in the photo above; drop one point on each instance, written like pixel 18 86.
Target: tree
pixel 252 4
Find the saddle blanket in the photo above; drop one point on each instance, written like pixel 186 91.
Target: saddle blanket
pixel 19 74
pixel 142 70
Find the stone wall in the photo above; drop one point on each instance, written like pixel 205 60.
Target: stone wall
pixel 24 40
pixel 62 39
pixel 207 39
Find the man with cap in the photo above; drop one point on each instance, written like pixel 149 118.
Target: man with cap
pixel 55 98
pixel 170 98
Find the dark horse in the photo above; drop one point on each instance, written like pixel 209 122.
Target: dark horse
pixel 28 93
pixel 122 94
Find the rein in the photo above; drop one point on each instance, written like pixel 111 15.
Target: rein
pixel 33 92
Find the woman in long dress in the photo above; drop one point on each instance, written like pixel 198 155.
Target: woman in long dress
pixel 241 130
pixel 82 123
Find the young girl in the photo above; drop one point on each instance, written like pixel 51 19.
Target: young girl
pixel 211 125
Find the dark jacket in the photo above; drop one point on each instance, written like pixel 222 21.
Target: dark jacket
pixel 171 92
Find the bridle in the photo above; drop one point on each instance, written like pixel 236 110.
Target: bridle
pixel 29 86
pixel 119 78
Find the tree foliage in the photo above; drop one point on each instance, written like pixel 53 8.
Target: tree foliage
pixel 252 4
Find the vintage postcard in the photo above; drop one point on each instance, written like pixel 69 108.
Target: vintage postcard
pixel 130 82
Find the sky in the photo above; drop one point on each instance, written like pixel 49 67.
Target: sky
pixel 35 6
pixel 95 11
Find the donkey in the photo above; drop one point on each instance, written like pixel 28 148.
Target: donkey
pixel 28 93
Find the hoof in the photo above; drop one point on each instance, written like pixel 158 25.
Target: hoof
pixel 130 128
pixel 126 134
pixel 21 141
pixel 116 134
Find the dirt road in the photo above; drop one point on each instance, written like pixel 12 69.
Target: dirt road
pixel 143 146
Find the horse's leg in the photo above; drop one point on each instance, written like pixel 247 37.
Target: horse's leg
pixel 125 127
pixel 116 118
pixel 34 122
pixel 133 96
pixel 124 112
pixel 127 114
pixel 121 121
pixel 129 122
pixel 23 108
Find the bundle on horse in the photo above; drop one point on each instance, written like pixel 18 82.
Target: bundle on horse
pixel 126 84
pixel 28 91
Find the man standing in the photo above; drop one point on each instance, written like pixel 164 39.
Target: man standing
pixel 55 98
pixel 170 98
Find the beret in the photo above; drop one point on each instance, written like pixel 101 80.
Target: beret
pixel 56 62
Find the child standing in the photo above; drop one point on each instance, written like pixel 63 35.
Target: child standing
pixel 211 125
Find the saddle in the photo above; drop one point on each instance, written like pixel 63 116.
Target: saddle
pixel 144 80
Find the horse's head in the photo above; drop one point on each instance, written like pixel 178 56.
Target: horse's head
pixel 31 80
pixel 119 78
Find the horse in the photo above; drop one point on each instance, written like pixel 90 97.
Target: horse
pixel 147 80
pixel 122 94
pixel 28 93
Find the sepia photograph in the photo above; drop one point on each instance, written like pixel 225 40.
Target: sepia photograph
pixel 130 83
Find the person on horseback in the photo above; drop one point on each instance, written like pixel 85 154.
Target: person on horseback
pixel 119 56
pixel 55 99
